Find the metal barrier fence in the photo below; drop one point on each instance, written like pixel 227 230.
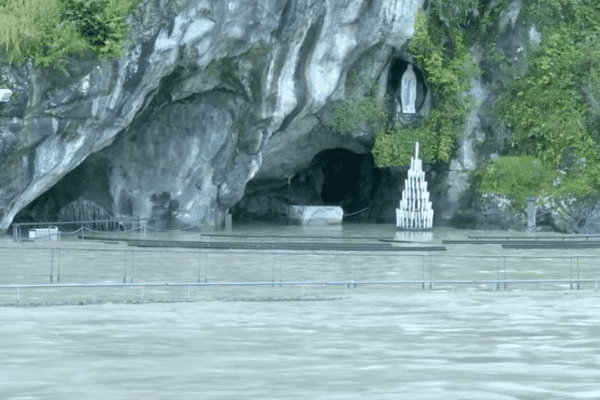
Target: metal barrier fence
pixel 61 267
pixel 20 231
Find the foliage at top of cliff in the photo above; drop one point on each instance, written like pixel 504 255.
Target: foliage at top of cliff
pixel 49 31
pixel 552 110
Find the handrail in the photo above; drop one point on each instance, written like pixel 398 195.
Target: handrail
pixel 60 266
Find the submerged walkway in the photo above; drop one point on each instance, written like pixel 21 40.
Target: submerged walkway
pixel 214 264
pixel 294 246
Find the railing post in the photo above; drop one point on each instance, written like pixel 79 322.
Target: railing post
pixel 504 261
pixel 132 266
pixel 125 268
pixel 531 214
pixel 430 271
pixel 578 273
pixel 16 233
pixel 273 266
pixel 52 265
pixel 205 267
pixel 498 273
pixel 58 270
pixel 199 259
pixel 423 272
pixel 571 272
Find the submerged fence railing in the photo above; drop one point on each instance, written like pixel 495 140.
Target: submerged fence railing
pixel 58 266
pixel 20 231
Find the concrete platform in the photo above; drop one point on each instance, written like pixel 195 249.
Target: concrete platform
pixel 315 215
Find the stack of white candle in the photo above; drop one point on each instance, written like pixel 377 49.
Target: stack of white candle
pixel 415 212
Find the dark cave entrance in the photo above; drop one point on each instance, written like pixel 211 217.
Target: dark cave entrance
pixel 334 177
pixel 345 177
pixel 83 194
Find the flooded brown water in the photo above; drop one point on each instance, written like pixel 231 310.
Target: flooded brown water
pixel 324 342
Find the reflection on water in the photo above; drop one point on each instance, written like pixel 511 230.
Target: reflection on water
pixel 414 236
pixel 261 343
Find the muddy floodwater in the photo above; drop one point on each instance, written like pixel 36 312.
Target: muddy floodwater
pixel 476 341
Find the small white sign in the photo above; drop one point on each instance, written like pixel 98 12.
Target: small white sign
pixel 5 95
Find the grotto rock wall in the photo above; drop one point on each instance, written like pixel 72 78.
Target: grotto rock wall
pixel 205 98
pixel 227 105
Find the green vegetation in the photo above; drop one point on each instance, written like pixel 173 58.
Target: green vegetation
pixel 102 23
pixel 439 47
pixel 364 113
pixel 364 109
pixel 49 31
pixel 516 176
pixel 396 146
pixel 553 110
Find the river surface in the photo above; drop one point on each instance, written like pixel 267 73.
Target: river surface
pixel 332 342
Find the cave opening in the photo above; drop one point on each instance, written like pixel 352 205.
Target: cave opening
pixel 81 195
pixel 337 177
pixel 342 171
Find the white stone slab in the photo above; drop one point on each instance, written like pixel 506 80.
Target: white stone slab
pixel 50 233
pixel 315 215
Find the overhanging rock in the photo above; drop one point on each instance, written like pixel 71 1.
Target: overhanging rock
pixel 188 116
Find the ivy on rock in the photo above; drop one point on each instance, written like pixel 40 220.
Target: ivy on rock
pixel 438 46
pixel 553 110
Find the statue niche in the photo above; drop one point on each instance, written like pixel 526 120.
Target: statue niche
pixel 408 92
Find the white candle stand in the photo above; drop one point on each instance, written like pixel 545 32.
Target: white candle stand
pixel 415 212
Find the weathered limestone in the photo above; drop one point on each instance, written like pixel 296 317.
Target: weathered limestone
pixel 185 119
pixel 415 212
pixel 315 215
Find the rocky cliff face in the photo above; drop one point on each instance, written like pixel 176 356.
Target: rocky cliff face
pixel 226 106
pixel 209 96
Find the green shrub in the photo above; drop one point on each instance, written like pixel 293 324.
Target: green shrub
pixel 551 110
pixel 364 113
pixel 49 31
pixel 397 146
pixel 516 176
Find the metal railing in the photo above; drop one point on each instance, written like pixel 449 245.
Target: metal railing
pixel 66 228
pixel 63 267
